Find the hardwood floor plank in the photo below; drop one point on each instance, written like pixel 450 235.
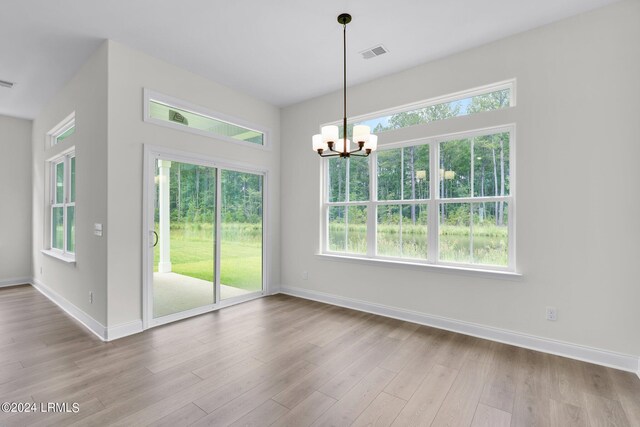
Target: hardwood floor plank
pixel 166 406
pixel 306 412
pixel 326 369
pixel 627 386
pixel 566 380
pixel 356 400
pixel 381 412
pixel 487 416
pixel 266 372
pixel 408 350
pixel 346 379
pixel 132 402
pixel 605 412
pixel 184 416
pixel 567 415
pixel 459 406
pixel 425 403
pixel 263 415
pixel 531 405
pixel 500 389
pixel 412 375
pixel 597 381
pixel 247 402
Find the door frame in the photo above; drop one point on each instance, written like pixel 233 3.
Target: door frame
pixel 151 154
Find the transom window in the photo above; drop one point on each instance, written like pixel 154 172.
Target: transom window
pixel 166 111
pixel 444 200
pixel 63 130
pixel 492 97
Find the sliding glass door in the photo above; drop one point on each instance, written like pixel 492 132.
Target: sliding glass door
pixel 207 237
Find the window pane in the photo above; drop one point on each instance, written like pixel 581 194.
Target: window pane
pixel 416 172
pixel 455 232
pixel 167 113
pixel 390 174
pixel 337 180
pixel 358 178
pixel 337 229
pixel 241 227
pixel 455 168
pixel 64 135
pixel 59 198
pixel 57 225
pixel 388 233
pixel 71 229
pixel 72 177
pixel 414 231
pixel 490 233
pixel 357 229
pixel 461 107
pixel 491 165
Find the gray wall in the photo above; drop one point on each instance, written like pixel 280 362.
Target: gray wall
pixel 578 91
pixel 129 72
pixel 86 94
pixel 15 193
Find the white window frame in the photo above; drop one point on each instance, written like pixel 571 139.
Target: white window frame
pixel 434 201
pixel 64 158
pixel 66 124
pixel 149 95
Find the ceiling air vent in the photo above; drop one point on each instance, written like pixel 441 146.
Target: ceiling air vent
pixel 373 52
pixel 6 84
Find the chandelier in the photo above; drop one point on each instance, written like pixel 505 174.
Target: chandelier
pixel 328 143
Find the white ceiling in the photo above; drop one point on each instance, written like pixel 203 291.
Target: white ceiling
pixel 281 51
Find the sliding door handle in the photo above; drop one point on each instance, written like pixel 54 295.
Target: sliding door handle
pixel 156 241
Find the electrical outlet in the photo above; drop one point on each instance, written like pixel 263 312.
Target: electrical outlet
pixel 91 297
pixel 305 275
pixel 552 313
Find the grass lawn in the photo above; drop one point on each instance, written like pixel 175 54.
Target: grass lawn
pixel 192 249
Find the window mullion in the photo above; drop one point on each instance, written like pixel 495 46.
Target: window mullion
pixel 347 198
pixel 65 200
pixel 372 210
pixel 432 218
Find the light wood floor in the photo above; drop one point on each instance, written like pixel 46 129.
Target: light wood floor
pixel 290 362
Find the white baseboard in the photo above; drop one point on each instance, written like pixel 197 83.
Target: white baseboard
pixel 105 334
pixel 89 322
pixel 574 351
pixel 124 329
pixel 15 281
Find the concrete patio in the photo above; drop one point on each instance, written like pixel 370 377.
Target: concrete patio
pixel 173 293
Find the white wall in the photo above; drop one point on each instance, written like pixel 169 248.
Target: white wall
pixel 578 91
pixel 86 94
pixel 15 193
pixel 129 72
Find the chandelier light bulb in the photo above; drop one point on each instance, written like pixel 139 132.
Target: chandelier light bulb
pixel 340 145
pixel 318 142
pixel 371 143
pixel 330 133
pixel 361 133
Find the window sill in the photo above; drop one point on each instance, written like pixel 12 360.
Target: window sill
pixel 446 269
pixel 59 255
